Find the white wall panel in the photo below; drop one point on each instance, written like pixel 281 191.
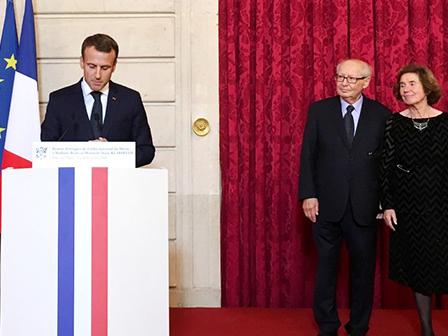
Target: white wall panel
pixel 154 80
pixel 166 158
pixel 136 35
pixel 162 119
pixel 99 6
pixel 205 160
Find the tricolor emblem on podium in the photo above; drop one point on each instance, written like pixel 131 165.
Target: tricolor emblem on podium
pixel 84 252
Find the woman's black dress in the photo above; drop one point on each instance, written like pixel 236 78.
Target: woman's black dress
pixel 414 182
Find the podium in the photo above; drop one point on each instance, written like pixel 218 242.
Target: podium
pixel 84 252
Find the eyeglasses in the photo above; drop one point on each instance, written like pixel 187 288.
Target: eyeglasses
pixel 350 79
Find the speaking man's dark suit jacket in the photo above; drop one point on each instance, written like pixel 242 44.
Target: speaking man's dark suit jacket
pixel 66 119
pixel 335 172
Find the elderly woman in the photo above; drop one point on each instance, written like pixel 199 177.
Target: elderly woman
pixel 414 182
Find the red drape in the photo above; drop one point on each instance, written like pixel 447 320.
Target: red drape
pixel 277 56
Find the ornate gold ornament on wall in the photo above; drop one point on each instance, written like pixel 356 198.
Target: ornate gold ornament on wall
pixel 201 127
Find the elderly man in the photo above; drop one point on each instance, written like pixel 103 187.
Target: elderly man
pixel 339 188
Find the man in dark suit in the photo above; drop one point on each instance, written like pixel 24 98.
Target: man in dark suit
pixel 96 108
pixel 339 188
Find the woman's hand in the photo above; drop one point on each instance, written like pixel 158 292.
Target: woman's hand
pixel 390 218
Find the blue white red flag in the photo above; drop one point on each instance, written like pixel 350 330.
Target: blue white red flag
pixel 23 122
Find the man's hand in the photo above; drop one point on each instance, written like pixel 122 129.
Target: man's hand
pixel 390 218
pixel 100 139
pixel 311 208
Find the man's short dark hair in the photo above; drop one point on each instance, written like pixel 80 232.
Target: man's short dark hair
pixel 101 42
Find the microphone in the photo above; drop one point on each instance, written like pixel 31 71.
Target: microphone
pixel 73 125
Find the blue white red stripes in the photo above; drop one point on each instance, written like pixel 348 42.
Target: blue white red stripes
pixel 66 252
pixel 50 286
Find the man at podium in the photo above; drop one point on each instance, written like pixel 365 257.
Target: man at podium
pixel 97 109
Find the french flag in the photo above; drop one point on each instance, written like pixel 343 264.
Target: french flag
pixel 84 252
pixel 23 126
pixel 23 122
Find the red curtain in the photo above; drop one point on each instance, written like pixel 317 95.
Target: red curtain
pixel 277 56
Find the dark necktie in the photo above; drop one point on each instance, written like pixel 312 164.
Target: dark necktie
pixel 349 124
pixel 96 118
